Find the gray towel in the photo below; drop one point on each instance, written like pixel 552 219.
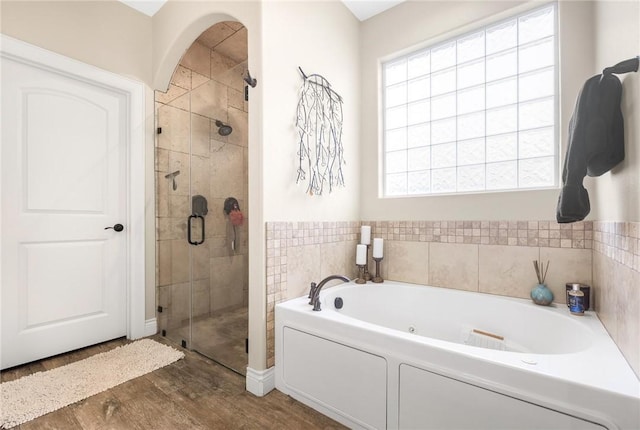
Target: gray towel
pixel 596 143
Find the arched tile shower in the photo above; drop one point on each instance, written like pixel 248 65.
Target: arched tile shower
pixel 201 161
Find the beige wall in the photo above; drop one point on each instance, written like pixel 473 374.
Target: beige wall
pixel 322 38
pixel 407 26
pixel 617 25
pixel 106 34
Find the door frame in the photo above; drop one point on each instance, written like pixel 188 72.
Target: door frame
pixel 133 91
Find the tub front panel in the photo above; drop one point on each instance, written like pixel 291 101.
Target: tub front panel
pixel 422 405
pixel 344 379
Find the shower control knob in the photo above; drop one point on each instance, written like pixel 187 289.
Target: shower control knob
pixel 117 227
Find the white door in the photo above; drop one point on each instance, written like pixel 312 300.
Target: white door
pixel 64 179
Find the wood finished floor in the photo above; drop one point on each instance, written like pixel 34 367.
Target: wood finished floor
pixel 192 393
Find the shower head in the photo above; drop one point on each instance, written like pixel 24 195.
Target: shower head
pixel 223 129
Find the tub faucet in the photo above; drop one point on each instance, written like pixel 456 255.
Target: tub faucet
pixel 315 292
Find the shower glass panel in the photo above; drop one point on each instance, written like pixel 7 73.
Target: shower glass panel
pixel 202 248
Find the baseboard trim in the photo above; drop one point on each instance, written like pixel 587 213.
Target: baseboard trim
pixel 150 327
pixel 260 382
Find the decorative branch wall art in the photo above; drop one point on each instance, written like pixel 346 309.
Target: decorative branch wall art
pixel 319 124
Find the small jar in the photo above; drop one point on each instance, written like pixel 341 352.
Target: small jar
pixel 586 289
pixel 576 300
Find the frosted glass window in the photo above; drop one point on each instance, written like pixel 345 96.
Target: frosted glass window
pixel 476 112
pixel 443 180
pixel 502 65
pixel 502 147
pixel 396 139
pixel 536 55
pixel 419 182
pixel 396 184
pixel 443 155
pixel 502 176
pixel 443 82
pixel 502 120
pixel 443 56
pixel 419 135
pixel 501 93
pixel 418 112
pixel 419 89
pixel 471 100
pixel 472 125
pixel 536 143
pixel 471 47
pixel 396 161
pixel 419 158
pixel 443 131
pixel 419 64
pixel 397 95
pixel 471 152
pixel 443 106
pixel 396 117
pixel 396 72
pixel 502 36
pixel 471 178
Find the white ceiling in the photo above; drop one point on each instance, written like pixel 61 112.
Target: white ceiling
pixel 148 7
pixel 362 9
pixel 365 9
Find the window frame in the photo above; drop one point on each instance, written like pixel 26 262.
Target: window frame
pixel 453 37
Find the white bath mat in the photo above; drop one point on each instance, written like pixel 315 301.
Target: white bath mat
pixel 40 393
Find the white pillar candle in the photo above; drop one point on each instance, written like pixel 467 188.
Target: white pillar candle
pixel 377 248
pixel 361 255
pixel 365 235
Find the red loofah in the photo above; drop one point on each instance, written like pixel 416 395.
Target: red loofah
pixel 236 217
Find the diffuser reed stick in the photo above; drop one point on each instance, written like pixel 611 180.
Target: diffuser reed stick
pixel 541 270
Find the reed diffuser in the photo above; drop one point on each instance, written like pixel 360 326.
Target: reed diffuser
pixel 541 294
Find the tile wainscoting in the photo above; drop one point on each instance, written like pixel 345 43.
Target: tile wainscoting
pixel 299 253
pixel 616 277
pixel 493 257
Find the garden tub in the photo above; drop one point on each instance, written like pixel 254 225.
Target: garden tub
pixel 404 356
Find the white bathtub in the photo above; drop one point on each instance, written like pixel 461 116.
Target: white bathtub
pixel 395 357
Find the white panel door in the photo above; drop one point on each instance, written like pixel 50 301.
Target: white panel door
pixel 63 181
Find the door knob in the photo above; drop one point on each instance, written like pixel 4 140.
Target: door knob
pixel 117 227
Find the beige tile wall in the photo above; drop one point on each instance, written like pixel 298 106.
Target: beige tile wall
pixel 299 253
pixel 205 87
pixel 616 278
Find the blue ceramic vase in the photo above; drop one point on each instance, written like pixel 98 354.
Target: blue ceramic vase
pixel 541 295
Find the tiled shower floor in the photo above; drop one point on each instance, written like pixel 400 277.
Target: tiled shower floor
pixel 221 337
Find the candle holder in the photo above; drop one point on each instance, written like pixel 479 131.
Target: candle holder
pixel 360 279
pixel 367 275
pixel 378 279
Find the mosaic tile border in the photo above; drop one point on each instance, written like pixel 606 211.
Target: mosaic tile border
pixel 547 234
pixel 620 241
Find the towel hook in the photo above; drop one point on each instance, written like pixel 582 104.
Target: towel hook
pixel 626 66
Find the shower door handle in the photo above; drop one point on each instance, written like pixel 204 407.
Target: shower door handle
pixel 189 239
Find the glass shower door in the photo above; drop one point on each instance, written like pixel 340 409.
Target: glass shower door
pixel 201 163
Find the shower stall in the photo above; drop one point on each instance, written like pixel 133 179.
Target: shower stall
pixel 201 198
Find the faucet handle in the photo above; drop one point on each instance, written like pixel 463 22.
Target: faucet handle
pixel 312 291
pixel 316 303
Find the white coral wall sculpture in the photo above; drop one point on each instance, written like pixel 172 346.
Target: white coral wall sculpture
pixel 319 124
